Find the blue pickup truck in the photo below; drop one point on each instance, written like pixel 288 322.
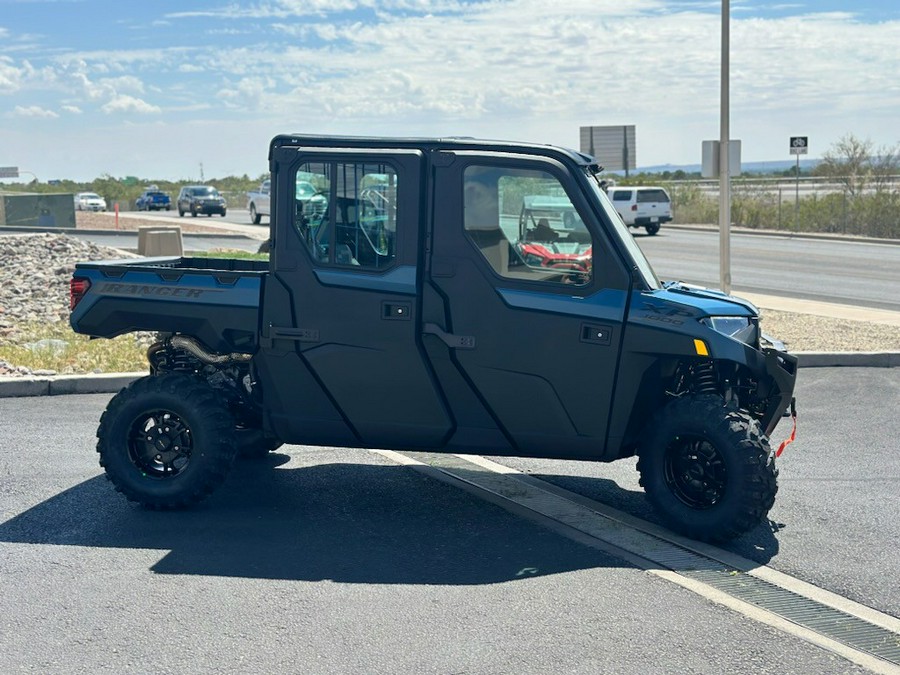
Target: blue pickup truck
pixel 398 310
pixel 153 199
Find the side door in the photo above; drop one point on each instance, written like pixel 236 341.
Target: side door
pixel 533 321
pixel 263 205
pixel 341 349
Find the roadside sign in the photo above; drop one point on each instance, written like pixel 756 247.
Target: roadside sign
pixel 799 145
pixel 612 146
pixel 710 155
pixel 9 172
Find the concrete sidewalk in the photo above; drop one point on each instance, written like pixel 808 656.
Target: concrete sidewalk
pixel 112 382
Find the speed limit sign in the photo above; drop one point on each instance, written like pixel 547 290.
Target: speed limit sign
pixel 799 145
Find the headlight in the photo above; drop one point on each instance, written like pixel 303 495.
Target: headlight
pixel 741 328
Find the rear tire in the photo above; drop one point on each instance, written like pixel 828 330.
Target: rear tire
pixel 255 218
pixel 707 468
pixel 166 441
pixel 652 228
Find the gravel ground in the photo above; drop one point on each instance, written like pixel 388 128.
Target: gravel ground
pixel 35 271
pixel 811 333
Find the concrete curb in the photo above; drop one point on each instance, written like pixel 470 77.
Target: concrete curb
pixel 110 383
pixel 848 359
pixel 57 385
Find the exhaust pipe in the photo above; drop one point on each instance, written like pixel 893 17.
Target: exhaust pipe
pixel 193 346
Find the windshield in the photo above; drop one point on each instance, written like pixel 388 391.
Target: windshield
pixel 621 232
pixel 205 192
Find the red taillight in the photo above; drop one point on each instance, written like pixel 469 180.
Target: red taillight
pixel 77 288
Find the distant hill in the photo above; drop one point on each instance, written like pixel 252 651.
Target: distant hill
pixel 774 166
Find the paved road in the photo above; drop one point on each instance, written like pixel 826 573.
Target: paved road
pixel 334 561
pixel 846 272
pixel 236 217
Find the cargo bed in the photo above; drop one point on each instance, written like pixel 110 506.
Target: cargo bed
pixel 216 300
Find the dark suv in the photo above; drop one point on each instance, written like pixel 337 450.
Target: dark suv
pixel 197 199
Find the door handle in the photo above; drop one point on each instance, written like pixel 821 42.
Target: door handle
pixel 396 311
pixel 452 341
pixel 596 334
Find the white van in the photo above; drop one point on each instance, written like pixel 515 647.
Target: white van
pixel 644 206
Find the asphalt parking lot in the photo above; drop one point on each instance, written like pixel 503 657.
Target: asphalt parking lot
pixel 332 560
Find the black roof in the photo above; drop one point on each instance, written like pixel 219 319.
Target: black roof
pixel 428 144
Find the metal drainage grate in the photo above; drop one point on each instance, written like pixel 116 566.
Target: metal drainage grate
pixel 827 621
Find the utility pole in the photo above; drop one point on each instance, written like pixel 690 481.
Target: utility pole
pixel 724 176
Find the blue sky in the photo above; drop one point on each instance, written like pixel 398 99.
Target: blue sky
pixel 155 89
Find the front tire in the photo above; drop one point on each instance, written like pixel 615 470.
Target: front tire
pixel 166 441
pixel 707 468
pixel 255 218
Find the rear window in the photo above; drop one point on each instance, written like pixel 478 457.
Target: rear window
pixel 621 195
pixel 652 196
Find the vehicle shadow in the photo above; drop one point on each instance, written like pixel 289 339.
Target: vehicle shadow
pixel 353 523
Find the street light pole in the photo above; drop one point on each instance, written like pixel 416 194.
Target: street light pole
pixel 724 176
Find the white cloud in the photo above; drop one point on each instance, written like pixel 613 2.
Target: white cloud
pixel 129 104
pixel 34 111
pixel 525 69
pixel 10 76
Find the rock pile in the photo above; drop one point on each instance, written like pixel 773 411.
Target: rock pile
pixel 34 280
pixel 34 275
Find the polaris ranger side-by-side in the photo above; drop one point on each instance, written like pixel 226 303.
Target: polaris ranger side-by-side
pixel 446 295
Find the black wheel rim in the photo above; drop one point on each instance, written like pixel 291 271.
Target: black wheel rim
pixel 160 444
pixel 695 472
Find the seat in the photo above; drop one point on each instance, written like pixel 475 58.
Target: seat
pixel 543 232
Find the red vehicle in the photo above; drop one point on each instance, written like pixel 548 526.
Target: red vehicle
pixel 552 235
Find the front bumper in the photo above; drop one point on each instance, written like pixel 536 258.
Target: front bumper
pixel 781 368
pixel 208 208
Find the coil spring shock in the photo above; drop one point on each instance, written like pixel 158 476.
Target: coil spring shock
pixel 164 359
pixel 705 378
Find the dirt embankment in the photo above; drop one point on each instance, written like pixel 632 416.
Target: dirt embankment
pixel 88 220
